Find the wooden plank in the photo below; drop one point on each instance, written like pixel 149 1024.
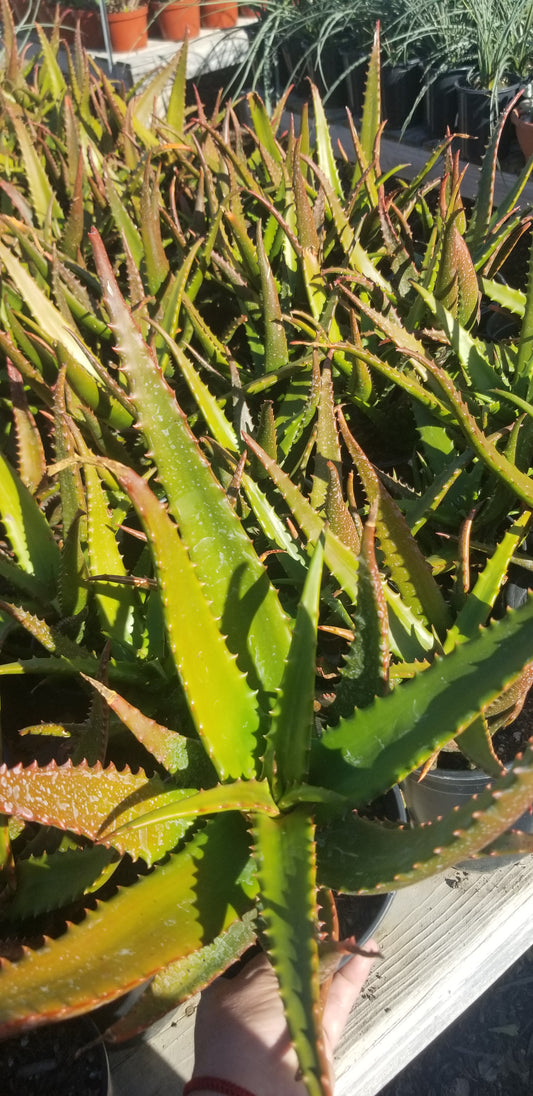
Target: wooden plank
pixel 444 941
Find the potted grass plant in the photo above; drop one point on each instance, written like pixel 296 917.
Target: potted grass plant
pixel 183 545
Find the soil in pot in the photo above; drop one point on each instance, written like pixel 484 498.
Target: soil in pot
pixel 65 1059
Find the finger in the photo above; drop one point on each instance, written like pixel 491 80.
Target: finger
pixel 345 988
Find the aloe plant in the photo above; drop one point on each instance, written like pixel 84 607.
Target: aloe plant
pixel 183 532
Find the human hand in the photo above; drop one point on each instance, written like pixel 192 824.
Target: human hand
pixel 241 1034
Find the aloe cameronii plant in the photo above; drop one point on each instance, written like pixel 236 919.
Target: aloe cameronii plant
pixel 251 770
pixel 192 609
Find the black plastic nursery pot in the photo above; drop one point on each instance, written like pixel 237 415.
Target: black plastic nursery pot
pixel 401 87
pixel 360 915
pixel 474 118
pixel 64 1059
pixel 443 789
pixel 441 102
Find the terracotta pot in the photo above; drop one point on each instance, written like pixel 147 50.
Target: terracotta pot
pixel 128 30
pixel 524 133
pixel 92 36
pixel 177 20
pixel 223 14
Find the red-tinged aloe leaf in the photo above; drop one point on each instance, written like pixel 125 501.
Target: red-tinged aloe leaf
pixel 181 980
pixel 275 342
pixel 376 747
pixel 73 231
pixel 156 262
pixel 361 856
pixel 53 880
pixel 91 801
pixel 327 439
pixel 288 742
pixel 172 912
pixel 246 796
pixel 338 517
pixel 235 580
pixel 27 529
pixel 408 567
pixel 179 755
pixel 286 870
pixel 222 705
pixel 365 671
pixel 456 286
pixel 30 451
pixel 484 203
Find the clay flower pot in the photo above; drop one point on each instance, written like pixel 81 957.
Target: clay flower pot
pixel 128 29
pixel 524 133
pixel 219 14
pixel 178 20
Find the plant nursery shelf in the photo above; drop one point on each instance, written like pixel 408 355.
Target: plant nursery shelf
pixel 444 942
pixel 211 51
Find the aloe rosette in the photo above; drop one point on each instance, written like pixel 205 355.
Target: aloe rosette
pixel 222 805
pixel 195 613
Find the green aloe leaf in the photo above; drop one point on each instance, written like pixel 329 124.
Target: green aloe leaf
pixel 365 670
pixel 222 705
pixel 27 529
pixel 181 980
pixel 288 744
pixel 180 756
pixel 54 880
pixel 246 796
pixel 284 852
pixel 358 855
pixel 477 369
pixel 373 749
pixel 411 638
pixel 116 603
pixel 169 914
pixel 482 597
pixel 408 567
pixel 235 580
